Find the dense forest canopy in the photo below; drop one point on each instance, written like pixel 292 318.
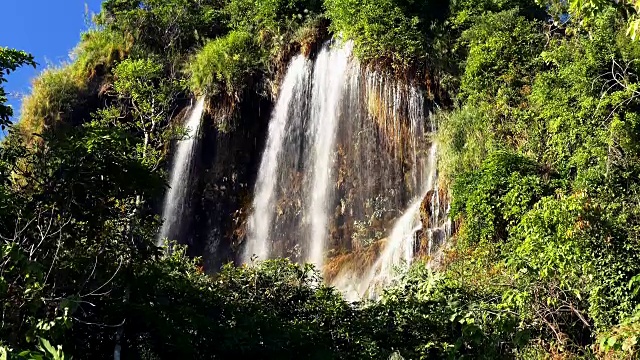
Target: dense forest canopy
pixel 539 126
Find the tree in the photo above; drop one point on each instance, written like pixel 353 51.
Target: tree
pixel 149 98
pixel 161 26
pixel 10 60
pixel 589 9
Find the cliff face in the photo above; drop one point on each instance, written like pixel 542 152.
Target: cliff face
pixel 381 162
pixel 226 169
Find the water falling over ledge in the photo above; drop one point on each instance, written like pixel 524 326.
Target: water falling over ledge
pixel 347 165
pixel 288 107
pixel 329 77
pixel 175 203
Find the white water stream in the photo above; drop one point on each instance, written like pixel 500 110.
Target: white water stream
pixel 175 203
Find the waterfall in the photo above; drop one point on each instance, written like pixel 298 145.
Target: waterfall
pixel 175 203
pixel 347 164
pixel 329 77
pixel 400 247
pixel 264 206
pixel 293 193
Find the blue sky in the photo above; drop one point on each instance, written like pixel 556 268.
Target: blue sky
pixel 48 29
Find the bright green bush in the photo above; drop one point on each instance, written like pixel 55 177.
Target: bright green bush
pixel 99 51
pixel 493 198
pixel 466 138
pixel 225 64
pixel 395 30
pixel 56 94
pixel 274 16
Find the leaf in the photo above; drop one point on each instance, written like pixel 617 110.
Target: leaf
pixel 49 348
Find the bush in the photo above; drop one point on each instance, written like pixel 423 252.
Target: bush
pixel 224 65
pixel 10 60
pixel 493 198
pixel 274 16
pixel 395 30
pixel 163 27
pixel 55 96
pixel 99 51
pixel 465 136
pixel 502 52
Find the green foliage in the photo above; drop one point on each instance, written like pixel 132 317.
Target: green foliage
pixel 395 30
pixel 274 16
pixel 163 27
pixel 56 95
pixel 621 341
pixel 149 98
pixel 502 49
pixel 465 13
pixel 540 148
pixel 10 60
pixel 44 350
pixel 466 138
pixel 225 64
pixel 276 27
pixel 586 11
pixel 61 255
pixel 99 51
pixel 563 225
pixel 495 196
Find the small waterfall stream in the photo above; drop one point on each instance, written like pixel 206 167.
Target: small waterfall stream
pixel 175 203
pixel 329 76
pixel 287 108
pixel 401 244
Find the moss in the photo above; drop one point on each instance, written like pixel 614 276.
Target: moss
pixel 59 92
pixel 309 35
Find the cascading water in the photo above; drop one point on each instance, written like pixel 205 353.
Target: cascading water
pixel 401 244
pixel 293 193
pixel 329 77
pixel 175 204
pixel 264 207
pixel 346 167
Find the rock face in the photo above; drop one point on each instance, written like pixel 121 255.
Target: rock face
pixel 380 163
pixel 436 229
pixel 226 171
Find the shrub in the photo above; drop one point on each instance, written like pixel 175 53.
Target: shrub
pixel 502 49
pixel 56 94
pixel 273 16
pixel 10 60
pixel 465 137
pixel 396 30
pixel 161 26
pixel 494 197
pixel 224 64
pixel 99 51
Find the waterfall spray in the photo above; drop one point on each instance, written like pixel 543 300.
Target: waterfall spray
pixel 400 247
